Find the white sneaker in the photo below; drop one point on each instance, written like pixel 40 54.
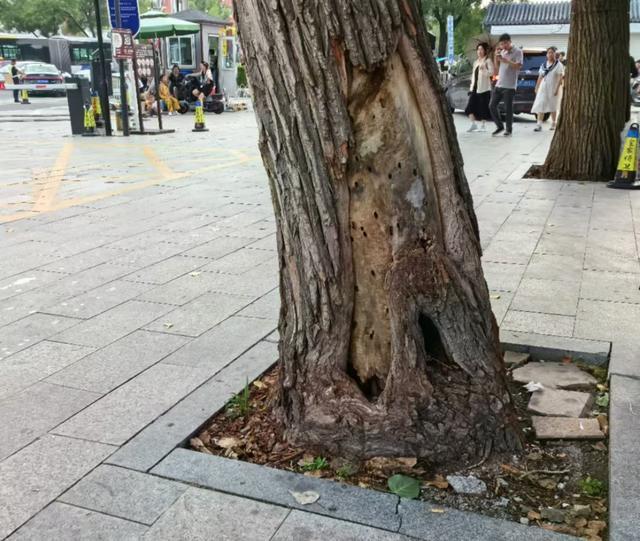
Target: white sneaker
pixel 538 128
pixel 483 127
pixel 553 127
pixel 473 127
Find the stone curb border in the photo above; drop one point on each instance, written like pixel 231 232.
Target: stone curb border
pixel 159 450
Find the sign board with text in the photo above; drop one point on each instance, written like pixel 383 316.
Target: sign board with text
pixel 129 15
pixel 450 48
pixel 122 43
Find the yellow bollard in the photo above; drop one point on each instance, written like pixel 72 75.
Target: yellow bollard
pixel 24 97
pixel 97 108
pixel 199 118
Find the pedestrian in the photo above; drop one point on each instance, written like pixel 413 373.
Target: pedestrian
pixel 172 103
pixel 16 74
pixel 562 58
pixel 175 81
pixel 509 61
pixel 550 79
pixel 480 92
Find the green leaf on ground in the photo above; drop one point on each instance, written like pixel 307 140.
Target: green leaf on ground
pixel 603 400
pixel 404 486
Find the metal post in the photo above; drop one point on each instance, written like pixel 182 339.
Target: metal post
pixel 137 83
pixel 156 78
pixel 123 83
pixel 103 90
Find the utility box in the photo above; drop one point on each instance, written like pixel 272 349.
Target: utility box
pixel 77 98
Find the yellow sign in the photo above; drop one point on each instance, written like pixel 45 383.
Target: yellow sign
pixel 629 157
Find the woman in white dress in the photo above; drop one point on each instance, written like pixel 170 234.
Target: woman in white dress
pixel 548 89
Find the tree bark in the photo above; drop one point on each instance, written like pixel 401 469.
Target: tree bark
pixel 388 343
pixel 596 97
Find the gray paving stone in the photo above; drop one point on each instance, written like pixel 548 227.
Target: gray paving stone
pixel 538 323
pixel 254 283
pixel 503 276
pixel 107 368
pixel 509 251
pixel 26 282
pixel 266 307
pixel 624 466
pixel 560 244
pixel 98 300
pixel 113 324
pixel 500 303
pixel 82 261
pixel 199 315
pixel 81 282
pixel 565 268
pixel 555 375
pixel 602 260
pixel 268 243
pixel 566 428
pixel 124 493
pixel 337 500
pixel 29 414
pixel 625 358
pixel 219 247
pixel 35 363
pixel 30 330
pixel 39 473
pixel 547 296
pixel 602 320
pixel 183 289
pixel 556 348
pixel 148 255
pixel 419 521
pixel 173 428
pixel 202 515
pixel 514 359
pixel 239 262
pixel 223 343
pixel 560 403
pixel 167 270
pixel 125 411
pixel 300 525
pixel 610 286
pixel 60 521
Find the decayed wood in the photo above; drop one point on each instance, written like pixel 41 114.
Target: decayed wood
pixel 595 104
pixel 388 343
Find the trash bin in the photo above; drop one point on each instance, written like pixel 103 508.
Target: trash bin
pixel 76 99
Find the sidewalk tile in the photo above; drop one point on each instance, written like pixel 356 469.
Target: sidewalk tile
pixel 548 296
pixel 202 515
pixel 31 413
pixel 65 522
pixel 30 330
pixel 124 493
pixel 107 368
pixel 36 363
pixel 39 473
pixel 538 323
pixel 113 324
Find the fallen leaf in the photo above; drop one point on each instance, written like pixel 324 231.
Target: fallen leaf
pixel 198 445
pixel 600 446
pixel 259 384
pixel 227 442
pixel 603 421
pixel 495 297
pixel 305 498
pixel 195 273
pixel 439 482
pixel 437 510
pixel 567 360
pixel 597 525
pixel 580 522
pixel 534 515
pixel 508 468
pixel 168 325
pixel 410 462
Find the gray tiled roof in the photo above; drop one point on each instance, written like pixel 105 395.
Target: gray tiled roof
pixel 539 13
pixel 195 16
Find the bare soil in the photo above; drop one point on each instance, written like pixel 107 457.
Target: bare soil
pixel 544 485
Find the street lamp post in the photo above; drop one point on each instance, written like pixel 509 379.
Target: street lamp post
pixel 103 91
pixel 123 83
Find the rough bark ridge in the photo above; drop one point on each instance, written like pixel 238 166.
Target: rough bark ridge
pixel 586 144
pixel 388 343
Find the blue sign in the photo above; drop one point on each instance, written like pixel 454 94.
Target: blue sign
pixel 450 29
pixel 129 15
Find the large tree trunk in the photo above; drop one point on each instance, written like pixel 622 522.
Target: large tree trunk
pixel 596 95
pixel 388 343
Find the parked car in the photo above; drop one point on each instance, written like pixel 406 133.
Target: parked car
pixel 40 73
pixel 457 88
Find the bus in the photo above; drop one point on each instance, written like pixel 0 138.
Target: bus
pixel 71 54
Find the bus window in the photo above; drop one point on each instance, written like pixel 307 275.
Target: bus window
pixel 9 51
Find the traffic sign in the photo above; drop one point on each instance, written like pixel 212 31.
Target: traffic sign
pixel 122 43
pixel 129 15
pixel 450 30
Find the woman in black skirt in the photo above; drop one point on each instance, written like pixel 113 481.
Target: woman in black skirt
pixel 480 95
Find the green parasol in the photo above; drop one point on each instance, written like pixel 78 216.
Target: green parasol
pixel 156 24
